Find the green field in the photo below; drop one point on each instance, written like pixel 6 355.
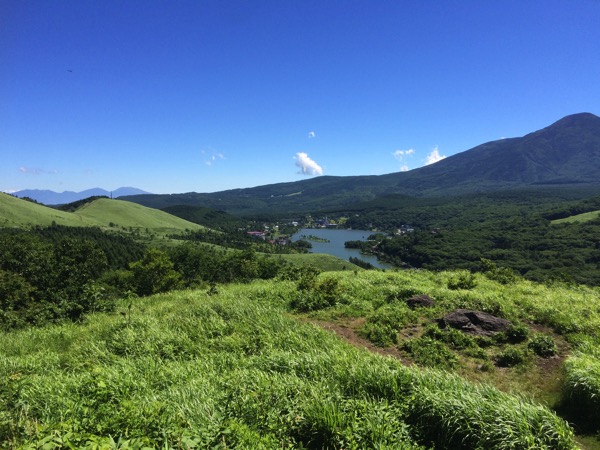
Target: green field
pixel 319 260
pixel 585 217
pixel 103 212
pixel 18 213
pixel 119 213
pixel 232 368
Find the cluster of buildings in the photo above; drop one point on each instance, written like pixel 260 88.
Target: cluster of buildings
pixel 266 236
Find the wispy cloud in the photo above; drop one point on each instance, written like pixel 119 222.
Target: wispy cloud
pixel 434 156
pixel 312 134
pixel 306 165
pixel 211 156
pixel 36 171
pixel 401 155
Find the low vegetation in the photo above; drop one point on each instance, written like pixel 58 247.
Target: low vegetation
pixel 230 369
pixel 535 233
pixel 119 336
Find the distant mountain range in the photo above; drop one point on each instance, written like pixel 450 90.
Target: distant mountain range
pixel 60 198
pixel 565 154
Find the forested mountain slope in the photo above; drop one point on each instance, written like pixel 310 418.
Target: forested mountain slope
pixel 566 153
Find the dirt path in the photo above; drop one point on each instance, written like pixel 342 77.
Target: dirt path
pixel 347 331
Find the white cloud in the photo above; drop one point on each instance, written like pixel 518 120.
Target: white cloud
pixel 211 157
pixel 401 155
pixel 434 156
pixel 311 134
pixel 307 166
pixel 36 171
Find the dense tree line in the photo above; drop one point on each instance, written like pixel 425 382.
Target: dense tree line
pixel 42 281
pixel 56 273
pixel 119 249
pixel 512 228
pixel 388 213
pixel 534 248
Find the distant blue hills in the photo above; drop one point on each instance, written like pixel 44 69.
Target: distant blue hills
pixel 48 197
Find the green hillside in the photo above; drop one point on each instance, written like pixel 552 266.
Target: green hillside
pixel 232 369
pixel 319 260
pixel 584 217
pixel 17 213
pixel 102 212
pixel 565 154
pixel 118 213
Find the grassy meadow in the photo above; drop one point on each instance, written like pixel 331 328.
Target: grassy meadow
pixel 17 213
pixel 103 212
pixel 583 217
pixel 119 213
pixel 247 366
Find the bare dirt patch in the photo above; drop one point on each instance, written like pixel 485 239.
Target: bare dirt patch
pixel 347 331
pixel 543 380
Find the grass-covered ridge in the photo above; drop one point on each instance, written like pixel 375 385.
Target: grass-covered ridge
pixel 18 213
pixel 101 212
pixel 120 213
pixel 230 368
pixel 583 217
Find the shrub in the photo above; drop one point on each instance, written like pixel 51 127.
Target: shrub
pixel 154 273
pixel 455 338
pixel 503 275
pixel 543 345
pixel 395 315
pixel 514 334
pixel 511 356
pixel 462 281
pixel 382 325
pixel 304 275
pixel 382 335
pixel 315 295
pixel 431 353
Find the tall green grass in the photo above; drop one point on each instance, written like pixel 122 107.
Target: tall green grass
pixel 571 312
pixel 234 370
pixel 581 395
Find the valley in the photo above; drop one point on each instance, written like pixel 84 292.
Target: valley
pixel 194 321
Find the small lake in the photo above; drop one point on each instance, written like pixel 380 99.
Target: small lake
pixel 335 246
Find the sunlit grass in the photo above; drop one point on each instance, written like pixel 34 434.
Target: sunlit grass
pixel 235 370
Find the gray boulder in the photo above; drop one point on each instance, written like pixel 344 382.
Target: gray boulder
pixel 420 301
pixel 474 322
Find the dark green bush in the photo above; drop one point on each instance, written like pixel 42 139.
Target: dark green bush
pixel 503 275
pixel 514 334
pixel 154 273
pixel 431 353
pixel 511 356
pixel 543 345
pixel 315 295
pixel 382 335
pixel 455 338
pixel 462 281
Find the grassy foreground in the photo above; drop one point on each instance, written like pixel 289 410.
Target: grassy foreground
pixel 235 370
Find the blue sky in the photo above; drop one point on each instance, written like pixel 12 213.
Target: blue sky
pixel 180 96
